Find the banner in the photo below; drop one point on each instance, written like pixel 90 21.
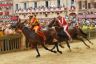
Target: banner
pixel 6 4
pixel 1 13
pixel 14 18
pixel 9 18
pixel 6 12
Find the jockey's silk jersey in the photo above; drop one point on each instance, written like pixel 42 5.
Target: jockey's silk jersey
pixel 36 28
pixel 34 20
pixel 62 21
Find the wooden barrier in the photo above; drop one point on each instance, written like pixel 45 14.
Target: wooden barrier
pixel 91 33
pixel 10 42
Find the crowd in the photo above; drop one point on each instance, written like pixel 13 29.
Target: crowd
pixel 83 23
pixel 5 29
pixel 88 23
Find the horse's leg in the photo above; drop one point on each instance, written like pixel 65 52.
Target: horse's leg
pixel 47 48
pixel 89 41
pixel 37 50
pixel 58 48
pixel 54 47
pixel 61 45
pixel 85 36
pixel 67 44
pixel 27 43
pixel 81 39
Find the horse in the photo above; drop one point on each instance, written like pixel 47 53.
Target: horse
pixel 31 37
pixel 76 33
pixel 49 35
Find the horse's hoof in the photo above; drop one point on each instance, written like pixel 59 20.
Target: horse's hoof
pixel 88 46
pixel 61 46
pixel 37 56
pixel 54 51
pixel 60 52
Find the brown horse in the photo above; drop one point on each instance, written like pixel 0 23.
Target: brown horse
pixel 50 35
pixel 31 36
pixel 76 33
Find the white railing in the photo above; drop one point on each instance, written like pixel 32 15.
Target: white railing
pixel 40 10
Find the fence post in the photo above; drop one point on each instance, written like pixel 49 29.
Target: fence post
pixel 23 45
pixel 88 32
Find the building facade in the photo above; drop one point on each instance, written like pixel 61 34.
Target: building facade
pixel 87 8
pixel 6 9
pixel 44 8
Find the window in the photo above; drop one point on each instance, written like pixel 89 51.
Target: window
pixel 46 3
pixel 58 3
pixel 46 15
pixel 86 4
pixel 80 5
pixel 72 2
pixel 35 4
pixel 25 5
pixel 89 6
pixel 16 6
pixel 94 4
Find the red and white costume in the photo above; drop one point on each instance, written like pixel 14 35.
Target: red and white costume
pixel 64 24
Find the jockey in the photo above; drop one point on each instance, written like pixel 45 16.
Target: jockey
pixel 75 22
pixel 35 25
pixel 34 22
pixel 64 24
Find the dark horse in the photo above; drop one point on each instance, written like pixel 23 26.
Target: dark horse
pixel 31 36
pixel 76 33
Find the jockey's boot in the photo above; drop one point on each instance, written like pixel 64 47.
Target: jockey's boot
pixel 70 40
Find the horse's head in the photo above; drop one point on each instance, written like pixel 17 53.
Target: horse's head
pixel 54 22
pixel 18 25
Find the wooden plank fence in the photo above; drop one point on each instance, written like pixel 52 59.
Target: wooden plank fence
pixel 10 43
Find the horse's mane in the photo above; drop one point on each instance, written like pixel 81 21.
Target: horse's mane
pixel 54 22
pixel 51 23
pixel 27 29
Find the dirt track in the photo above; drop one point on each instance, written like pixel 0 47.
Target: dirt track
pixel 80 55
